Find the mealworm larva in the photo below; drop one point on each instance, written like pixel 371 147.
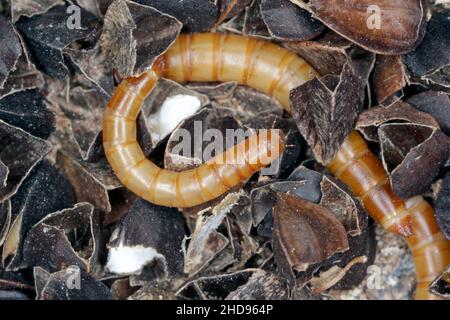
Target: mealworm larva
pixel 273 70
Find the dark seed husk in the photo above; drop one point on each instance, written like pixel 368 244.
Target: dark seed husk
pixel 364 245
pixel 346 208
pixel 196 15
pixel 253 24
pixel 132 37
pixel 5 219
pixel 327 53
pixel 430 62
pixel 25 76
pixel 44 191
pixel 325 110
pixel 28 110
pixel 62 285
pixel 388 79
pixel 400 30
pixel 84 108
pixel 422 163
pixel 297 222
pixel 286 21
pixel 209 239
pixel 435 103
pixel 91 181
pixel 20 153
pixel 249 284
pixel 10 49
pixel 371 119
pixel 397 139
pixel 231 8
pixel 15 282
pixel 441 286
pixel 150 226
pixel 4 171
pixel 30 8
pixel 65 238
pixel 47 34
pixel 160 290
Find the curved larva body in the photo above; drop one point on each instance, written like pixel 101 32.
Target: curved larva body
pixel 200 57
pixel 274 71
pixel 357 166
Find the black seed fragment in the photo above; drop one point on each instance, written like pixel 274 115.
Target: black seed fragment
pixel 28 110
pixel 286 21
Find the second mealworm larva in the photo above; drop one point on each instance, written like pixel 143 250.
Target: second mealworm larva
pixel 357 166
pixel 275 71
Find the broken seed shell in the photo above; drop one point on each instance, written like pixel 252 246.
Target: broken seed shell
pixel 155 233
pixel 371 119
pixel 415 174
pixel 196 15
pixel 59 285
pixel 10 50
pixel 44 191
pixel 388 78
pixel 441 286
pixel 286 21
pixel 325 110
pixel 298 222
pixel 435 103
pixel 380 26
pixel 66 238
pixel 21 152
pixel 46 47
pixel 28 110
